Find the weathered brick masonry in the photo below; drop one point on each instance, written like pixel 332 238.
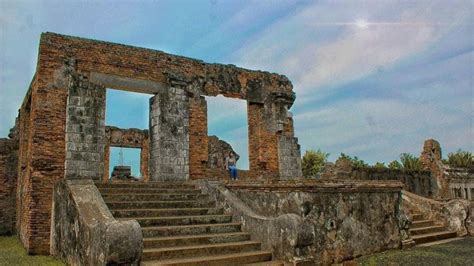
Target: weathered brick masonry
pixel 8 181
pixel 43 117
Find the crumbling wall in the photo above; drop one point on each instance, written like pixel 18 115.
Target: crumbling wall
pixel 418 182
pixel 318 221
pixel 128 138
pixel 431 159
pixel 84 232
pixel 8 184
pixel 460 182
pixel 218 151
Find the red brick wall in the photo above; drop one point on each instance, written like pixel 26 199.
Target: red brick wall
pixel 23 196
pixel 144 159
pixel 106 162
pixel 8 181
pixel 263 144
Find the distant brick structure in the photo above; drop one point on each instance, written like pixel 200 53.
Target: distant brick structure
pixel 431 159
pixel 127 138
pixel 62 133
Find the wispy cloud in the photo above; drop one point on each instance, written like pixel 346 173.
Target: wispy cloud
pixel 322 46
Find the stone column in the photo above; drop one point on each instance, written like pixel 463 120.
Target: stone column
pixel 85 130
pixel 169 136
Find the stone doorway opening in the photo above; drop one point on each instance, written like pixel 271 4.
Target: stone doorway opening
pixel 126 133
pixel 227 120
pixel 124 109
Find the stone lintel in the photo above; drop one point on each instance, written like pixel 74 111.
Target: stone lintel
pixel 127 84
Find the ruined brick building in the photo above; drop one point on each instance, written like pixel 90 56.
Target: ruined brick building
pixel 54 170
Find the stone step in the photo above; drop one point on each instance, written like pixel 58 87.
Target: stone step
pixel 149 190
pixel 219 260
pixel 158 242
pixel 199 250
pixel 419 239
pixel 418 217
pixel 145 185
pixel 427 230
pixel 421 223
pixel 127 213
pixel 158 204
pixel 181 230
pixel 153 197
pixel 181 220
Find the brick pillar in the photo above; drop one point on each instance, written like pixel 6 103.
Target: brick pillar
pixel 263 143
pixel 198 139
pixel 144 159
pixel 169 136
pixel 106 162
pixel 85 130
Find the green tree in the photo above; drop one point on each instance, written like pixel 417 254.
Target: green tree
pixel 410 162
pixel 460 158
pixel 380 165
pixel 355 161
pixel 395 165
pixel 313 162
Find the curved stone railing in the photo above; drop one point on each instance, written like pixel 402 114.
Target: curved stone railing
pixel 285 235
pixel 84 232
pixel 455 213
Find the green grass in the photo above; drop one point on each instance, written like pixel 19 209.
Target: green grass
pixel 459 252
pixel 13 253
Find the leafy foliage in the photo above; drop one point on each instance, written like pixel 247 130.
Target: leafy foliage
pixel 395 165
pixel 410 162
pixel 380 165
pixel 461 159
pixel 355 161
pixel 313 162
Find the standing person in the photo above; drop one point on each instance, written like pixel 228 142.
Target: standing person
pixel 231 165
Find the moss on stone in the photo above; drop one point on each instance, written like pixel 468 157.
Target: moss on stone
pixel 13 253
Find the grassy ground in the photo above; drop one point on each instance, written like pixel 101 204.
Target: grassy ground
pixel 459 252
pixel 13 253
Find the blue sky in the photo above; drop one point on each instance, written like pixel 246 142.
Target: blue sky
pixel 373 78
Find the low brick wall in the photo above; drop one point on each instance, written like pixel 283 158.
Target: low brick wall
pixel 330 220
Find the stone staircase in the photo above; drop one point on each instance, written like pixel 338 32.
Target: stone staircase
pixel 182 226
pixel 423 230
